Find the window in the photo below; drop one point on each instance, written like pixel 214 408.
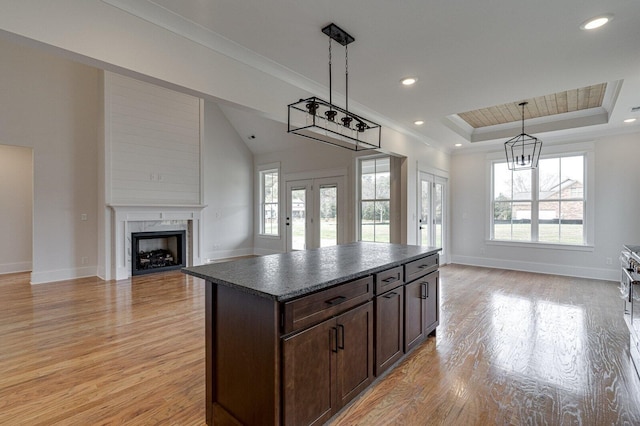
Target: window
pixel 269 202
pixel 545 205
pixel 375 199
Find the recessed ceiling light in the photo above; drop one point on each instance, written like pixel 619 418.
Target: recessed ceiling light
pixel 418 122
pixel 458 145
pixel 408 81
pixel 629 120
pixel 596 22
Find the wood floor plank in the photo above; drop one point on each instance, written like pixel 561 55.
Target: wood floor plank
pixel 512 348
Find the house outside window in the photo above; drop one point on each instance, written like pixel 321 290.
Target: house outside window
pixel 375 199
pixel 269 204
pixel 544 205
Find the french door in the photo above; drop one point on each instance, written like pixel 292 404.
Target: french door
pixel 431 212
pixel 314 208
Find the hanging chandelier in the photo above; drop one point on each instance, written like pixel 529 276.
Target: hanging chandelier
pixel 323 121
pixel 523 151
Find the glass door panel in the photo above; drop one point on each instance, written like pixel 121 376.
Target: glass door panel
pixel 328 215
pixel 437 214
pixel 432 212
pixel 298 219
pixel 425 208
pixel 313 213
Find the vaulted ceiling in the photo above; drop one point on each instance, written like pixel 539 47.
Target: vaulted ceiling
pixel 468 56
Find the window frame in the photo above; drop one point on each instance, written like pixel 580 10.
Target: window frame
pixel 360 200
pixel 586 150
pixel 264 170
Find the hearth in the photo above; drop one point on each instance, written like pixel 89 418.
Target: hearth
pixel 157 251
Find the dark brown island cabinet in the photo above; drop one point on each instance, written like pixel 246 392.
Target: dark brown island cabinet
pixel 292 338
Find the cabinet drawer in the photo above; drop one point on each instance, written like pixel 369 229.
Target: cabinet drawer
pixel 420 267
pixel 389 279
pixel 316 307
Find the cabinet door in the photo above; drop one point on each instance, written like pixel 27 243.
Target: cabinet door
pixel 389 329
pixel 432 302
pixel 354 359
pixel 308 375
pixel 414 313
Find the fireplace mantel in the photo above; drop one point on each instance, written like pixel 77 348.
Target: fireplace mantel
pixel 123 215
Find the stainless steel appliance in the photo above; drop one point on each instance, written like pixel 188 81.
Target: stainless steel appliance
pixel 630 291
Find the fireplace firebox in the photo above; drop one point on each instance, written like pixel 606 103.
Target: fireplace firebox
pixel 157 251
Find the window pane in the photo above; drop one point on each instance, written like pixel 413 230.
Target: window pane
pixel 270 216
pixel 437 205
pixel 328 216
pixel 572 222
pixel 502 212
pixel 368 180
pixel 502 180
pixel 382 233
pixel 549 179
pixel 522 185
pixel 502 220
pixel 269 202
pixel 549 215
pixel 383 178
pixel 298 219
pixel 572 177
pixel 521 220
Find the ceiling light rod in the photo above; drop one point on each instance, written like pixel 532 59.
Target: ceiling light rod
pixel 527 146
pixel 317 119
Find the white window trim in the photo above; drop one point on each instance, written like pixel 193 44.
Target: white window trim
pixel 259 170
pixel 358 197
pixel 582 148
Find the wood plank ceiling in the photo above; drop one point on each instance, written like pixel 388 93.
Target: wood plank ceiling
pixel 540 106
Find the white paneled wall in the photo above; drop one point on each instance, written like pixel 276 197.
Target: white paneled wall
pixel 153 144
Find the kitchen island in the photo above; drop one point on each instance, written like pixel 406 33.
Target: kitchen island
pixel 291 338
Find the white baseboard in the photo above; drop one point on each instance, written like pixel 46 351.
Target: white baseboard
pixel 265 252
pixel 10 268
pixel 63 274
pixel 226 254
pixel 542 268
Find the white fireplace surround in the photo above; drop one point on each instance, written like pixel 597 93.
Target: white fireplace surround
pixel 136 218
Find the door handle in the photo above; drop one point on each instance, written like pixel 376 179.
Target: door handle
pixel 340 327
pixel 424 290
pixel 335 339
pixel 336 300
pixel 391 279
pixel 390 295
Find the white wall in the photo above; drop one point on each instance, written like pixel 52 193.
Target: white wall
pixel 16 205
pixel 617 204
pixel 153 144
pixel 50 104
pixel 228 189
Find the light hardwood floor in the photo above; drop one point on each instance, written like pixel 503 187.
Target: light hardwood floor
pixel 511 348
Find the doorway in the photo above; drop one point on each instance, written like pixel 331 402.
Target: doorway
pixel 314 213
pixel 16 209
pixel 432 202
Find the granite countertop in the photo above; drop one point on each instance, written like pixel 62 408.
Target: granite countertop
pixel 285 276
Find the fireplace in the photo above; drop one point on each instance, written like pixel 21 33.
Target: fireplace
pixel 157 251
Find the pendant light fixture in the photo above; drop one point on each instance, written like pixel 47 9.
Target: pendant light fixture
pixel 323 121
pixel 523 151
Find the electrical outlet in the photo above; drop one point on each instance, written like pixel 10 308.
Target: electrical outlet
pixel 83 216
pixel 609 261
pixel 84 260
